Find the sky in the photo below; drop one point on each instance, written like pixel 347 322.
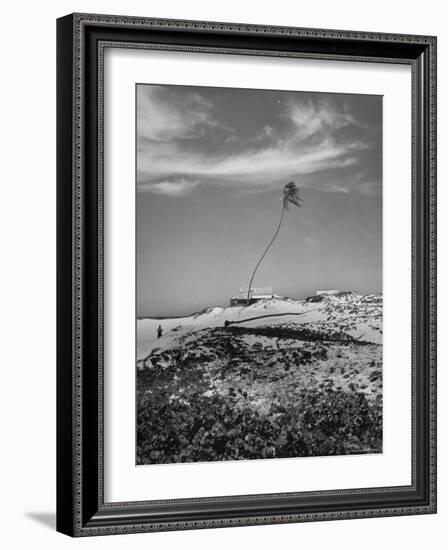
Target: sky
pixel 211 164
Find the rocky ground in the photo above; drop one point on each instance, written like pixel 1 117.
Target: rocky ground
pixel 284 378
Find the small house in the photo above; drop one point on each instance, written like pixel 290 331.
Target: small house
pixel 332 292
pixel 256 294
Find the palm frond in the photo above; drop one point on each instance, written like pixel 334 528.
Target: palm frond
pixel 291 195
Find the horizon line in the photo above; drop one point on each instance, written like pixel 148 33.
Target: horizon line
pixel 160 317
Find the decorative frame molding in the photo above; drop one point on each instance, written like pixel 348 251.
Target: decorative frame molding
pixel 81 42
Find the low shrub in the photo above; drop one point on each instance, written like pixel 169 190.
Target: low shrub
pixel 198 428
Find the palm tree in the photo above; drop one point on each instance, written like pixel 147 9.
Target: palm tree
pixel 290 195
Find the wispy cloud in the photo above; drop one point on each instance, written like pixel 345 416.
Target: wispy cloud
pixel 173 157
pixel 312 117
pixel 173 188
pixel 159 120
pixel 260 168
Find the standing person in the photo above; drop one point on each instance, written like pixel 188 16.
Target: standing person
pixel 159 331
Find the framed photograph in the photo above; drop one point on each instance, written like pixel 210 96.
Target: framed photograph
pixel 246 274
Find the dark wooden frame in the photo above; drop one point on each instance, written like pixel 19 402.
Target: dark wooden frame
pixel 81 510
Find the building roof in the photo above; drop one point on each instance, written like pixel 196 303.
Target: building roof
pixel 255 293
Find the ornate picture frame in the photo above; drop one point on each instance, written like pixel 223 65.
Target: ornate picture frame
pixel 81 506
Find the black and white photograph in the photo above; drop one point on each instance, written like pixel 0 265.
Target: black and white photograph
pixel 258 274
pixel 246 278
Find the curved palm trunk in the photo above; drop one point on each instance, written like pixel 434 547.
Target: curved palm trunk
pixel 265 252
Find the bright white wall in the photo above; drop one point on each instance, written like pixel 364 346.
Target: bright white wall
pixel 27 310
